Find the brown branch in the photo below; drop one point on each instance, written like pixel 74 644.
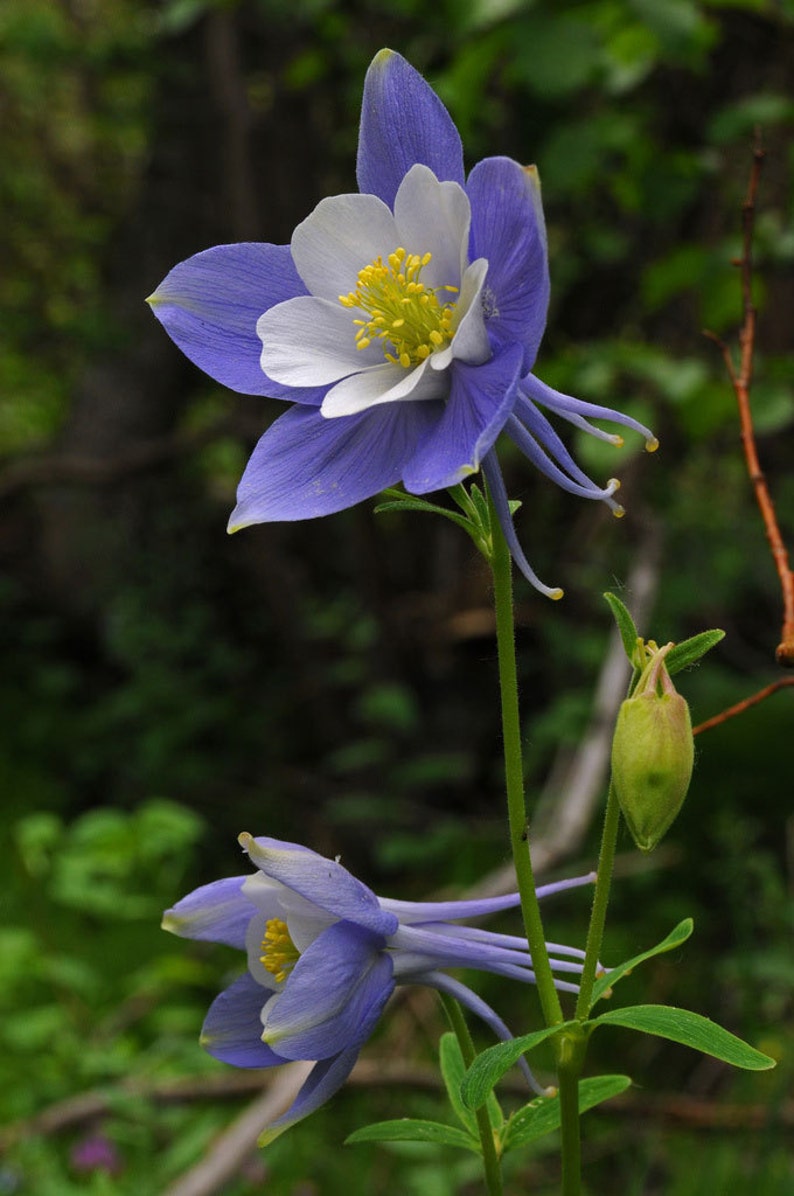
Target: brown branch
pixel 223 1158
pixel 741 380
pixel 740 707
pixel 372 1073
pixel 57 468
pixel 695 1113
pixel 99 1102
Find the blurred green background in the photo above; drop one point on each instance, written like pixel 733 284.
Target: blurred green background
pixel 164 686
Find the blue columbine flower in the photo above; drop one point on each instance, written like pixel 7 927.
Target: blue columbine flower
pixel 325 954
pixel 402 323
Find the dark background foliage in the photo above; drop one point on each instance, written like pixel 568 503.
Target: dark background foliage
pixel 165 686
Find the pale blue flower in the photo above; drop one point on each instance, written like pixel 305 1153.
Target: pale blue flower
pixel 402 323
pixel 325 954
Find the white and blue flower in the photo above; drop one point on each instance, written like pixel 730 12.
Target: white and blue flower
pixel 402 323
pixel 325 954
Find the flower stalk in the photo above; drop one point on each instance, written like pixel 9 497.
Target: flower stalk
pixel 570 1047
pixel 501 567
pixel 491 1165
pixel 595 933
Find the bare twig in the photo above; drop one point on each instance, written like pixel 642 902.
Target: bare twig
pixel 741 380
pixel 56 468
pixel 740 707
pixel 222 1161
pixel 89 1106
pixel 270 1097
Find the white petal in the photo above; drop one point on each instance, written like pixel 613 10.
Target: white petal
pixel 310 342
pixel 470 342
pixel 434 217
pixel 304 919
pixel 263 892
pixel 342 234
pixel 384 384
pixel 267 1009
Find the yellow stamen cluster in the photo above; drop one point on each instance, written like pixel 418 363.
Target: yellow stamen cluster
pixel 403 313
pixel 279 953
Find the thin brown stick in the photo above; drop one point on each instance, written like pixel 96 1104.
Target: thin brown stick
pixel 86 1107
pixel 740 707
pixel 741 380
pixel 223 1158
pixel 52 469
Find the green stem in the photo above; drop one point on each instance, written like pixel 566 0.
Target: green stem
pixel 595 933
pixel 572 1046
pixel 570 1060
pixel 490 1159
pixel 501 565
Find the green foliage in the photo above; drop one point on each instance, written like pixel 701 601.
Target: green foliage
pixel 542 1116
pixel 367 705
pixel 523 1127
pixel 491 1065
pixel 110 863
pixel 678 1025
pixel 689 651
pixel 86 976
pixel 412 1129
pixel 71 151
pixel 604 984
pixel 625 625
pixel 690 1029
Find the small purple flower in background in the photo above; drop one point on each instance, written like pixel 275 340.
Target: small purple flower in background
pixel 96 1152
pixel 325 955
pixel 402 323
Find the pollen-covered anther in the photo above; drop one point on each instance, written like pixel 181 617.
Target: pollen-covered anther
pixel 615 507
pixel 279 953
pixel 651 445
pixel 403 313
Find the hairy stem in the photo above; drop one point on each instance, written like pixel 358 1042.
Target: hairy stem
pixel 490 1159
pixel 595 933
pixel 501 566
pixel 570 1060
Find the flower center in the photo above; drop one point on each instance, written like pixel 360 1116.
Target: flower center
pixel 279 953
pixel 405 314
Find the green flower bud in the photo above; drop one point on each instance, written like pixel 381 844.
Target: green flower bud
pixel 652 754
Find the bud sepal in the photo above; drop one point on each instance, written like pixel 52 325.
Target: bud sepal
pixel 652 752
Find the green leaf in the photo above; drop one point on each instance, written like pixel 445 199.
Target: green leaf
pixel 691 1029
pixel 542 1116
pixel 495 1114
pixel 471 521
pixel 397 501
pixel 461 497
pixel 480 501
pixel 628 632
pixel 489 1067
pixel 453 1069
pixel 407 1129
pixel 674 939
pixel 689 651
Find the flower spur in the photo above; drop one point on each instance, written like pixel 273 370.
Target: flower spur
pixel 402 323
pixel 325 954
